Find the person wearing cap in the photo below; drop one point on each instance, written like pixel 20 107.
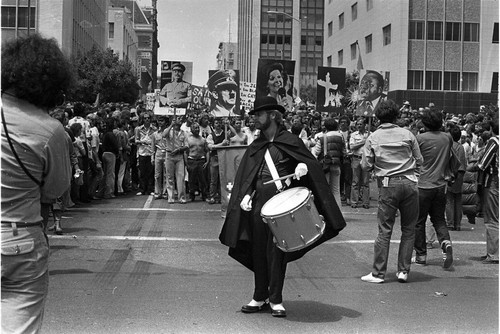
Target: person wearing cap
pixel 250 241
pixel 177 92
pixel 224 89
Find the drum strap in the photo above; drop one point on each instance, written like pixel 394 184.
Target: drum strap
pixel 273 170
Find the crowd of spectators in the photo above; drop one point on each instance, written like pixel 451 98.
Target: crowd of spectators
pixel 125 149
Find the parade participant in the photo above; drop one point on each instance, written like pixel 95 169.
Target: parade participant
pixel 177 92
pixel 110 150
pixel 217 138
pixel 224 90
pixel 35 167
pixel 238 136
pixel 143 140
pixel 249 239
pixel 197 161
pixel 435 147
pixel 346 170
pixel 360 188
pixel 335 149
pixel 251 131
pixel 394 156
pixel 204 124
pixel 176 146
pixel 488 164
pixel 160 147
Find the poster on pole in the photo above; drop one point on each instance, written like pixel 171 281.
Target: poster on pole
pixel 372 90
pixel 330 89
pixel 275 78
pixel 224 88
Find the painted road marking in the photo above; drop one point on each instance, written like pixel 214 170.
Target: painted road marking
pixel 146 238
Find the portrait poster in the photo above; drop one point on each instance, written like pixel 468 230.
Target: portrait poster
pixel 171 90
pixel 224 89
pixel 372 90
pixel 151 99
pixel 330 89
pixel 275 78
pixel 247 95
pixel 229 161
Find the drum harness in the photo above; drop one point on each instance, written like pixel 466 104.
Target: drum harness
pixel 274 173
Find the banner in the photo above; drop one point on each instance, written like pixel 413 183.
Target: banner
pixel 373 88
pixel 151 99
pixel 223 86
pixel 330 89
pixel 275 78
pixel 200 97
pixel 247 95
pixel 229 161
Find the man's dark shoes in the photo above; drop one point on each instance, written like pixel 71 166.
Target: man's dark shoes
pixel 255 306
pixel 447 254
pixel 278 310
pixel 489 260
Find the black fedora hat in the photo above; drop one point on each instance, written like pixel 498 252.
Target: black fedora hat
pixel 266 103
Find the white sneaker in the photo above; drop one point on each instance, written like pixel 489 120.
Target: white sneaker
pixel 371 279
pixel 402 277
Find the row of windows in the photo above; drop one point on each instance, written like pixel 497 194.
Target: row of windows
pixel 386 32
pixel 354 15
pixel 438 80
pixel 287 39
pixel 11 20
pixel 449 31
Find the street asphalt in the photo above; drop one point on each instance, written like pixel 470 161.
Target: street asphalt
pixel 137 265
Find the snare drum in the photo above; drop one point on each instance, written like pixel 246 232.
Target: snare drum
pixel 293 219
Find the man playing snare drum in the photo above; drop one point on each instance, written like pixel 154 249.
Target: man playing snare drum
pixel 276 153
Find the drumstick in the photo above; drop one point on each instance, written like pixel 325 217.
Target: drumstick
pixel 279 179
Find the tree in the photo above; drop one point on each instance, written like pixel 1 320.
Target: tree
pixel 308 93
pixel 102 72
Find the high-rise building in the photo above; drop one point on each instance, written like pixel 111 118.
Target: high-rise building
pixel 272 29
pixel 440 51
pixel 227 56
pixel 76 25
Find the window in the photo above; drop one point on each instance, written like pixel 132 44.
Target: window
pixel 416 30
pixel 353 51
pixel 318 41
pixel 111 33
pixel 368 43
pixel 433 80
pixel 279 39
pixel 8 17
pixel 469 82
pixel 288 39
pixel 451 80
pixel 263 39
pixel 354 11
pixel 494 83
pixel 434 31
pixel 386 31
pixel 471 32
pixel 341 21
pixel 495 33
pixel 22 21
pixel 272 39
pixel 453 31
pixel 369 4
pixel 340 57
pixel 330 28
pixel 415 80
pixel 329 61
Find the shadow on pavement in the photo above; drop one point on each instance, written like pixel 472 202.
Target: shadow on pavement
pixel 312 311
pixel 69 271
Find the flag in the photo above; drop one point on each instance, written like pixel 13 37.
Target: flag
pixel 360 61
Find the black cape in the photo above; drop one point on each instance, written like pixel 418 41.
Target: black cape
pixel 236 231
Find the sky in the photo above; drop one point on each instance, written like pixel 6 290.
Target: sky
pixel 191 30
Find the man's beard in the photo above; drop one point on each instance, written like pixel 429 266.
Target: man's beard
pixel 265 125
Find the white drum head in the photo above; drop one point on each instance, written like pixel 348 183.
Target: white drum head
pixel 285 201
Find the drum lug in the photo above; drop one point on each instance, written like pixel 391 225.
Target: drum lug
pixel 322 217
pixel 318 228
pixel 308 206
pixel 303 239
pixel 273 222
pixel 285 245
pixel 292 216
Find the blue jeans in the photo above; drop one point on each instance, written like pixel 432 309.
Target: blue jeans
pixel 491 219
pixel 360 183
pixel 333 178
pixel 160 174
pixel 175 176
pixel 25 278
pixel 431 202
pixel 401 194
pixel 214 178
pixel 107 186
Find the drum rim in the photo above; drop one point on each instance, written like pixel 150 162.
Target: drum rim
pixel 290 211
